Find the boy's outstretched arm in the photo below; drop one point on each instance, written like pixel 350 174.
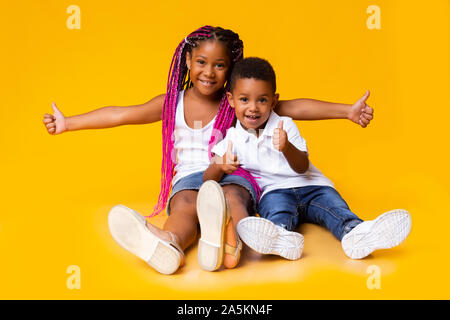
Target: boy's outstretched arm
pixel 310 109
pixel 106 117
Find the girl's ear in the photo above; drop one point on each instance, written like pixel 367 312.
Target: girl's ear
pixel 188 60
pixel 230 99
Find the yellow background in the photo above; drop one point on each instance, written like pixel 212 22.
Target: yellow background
pixel 56 191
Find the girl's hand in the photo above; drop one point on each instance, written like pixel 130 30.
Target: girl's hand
pixel 55 123
pixel 360 112
pixel 229 161
pixel 280 139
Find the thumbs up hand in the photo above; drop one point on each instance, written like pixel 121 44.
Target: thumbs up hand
pixel 361 113
pixel 280 139
pixel 230 162
pixel 55 123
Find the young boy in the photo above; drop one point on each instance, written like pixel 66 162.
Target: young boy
pixel 271 148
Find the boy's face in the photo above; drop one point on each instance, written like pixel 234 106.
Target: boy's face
pixel 252 100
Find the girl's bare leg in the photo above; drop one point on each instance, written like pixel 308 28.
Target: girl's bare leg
pixel 238 201
pixel 182 221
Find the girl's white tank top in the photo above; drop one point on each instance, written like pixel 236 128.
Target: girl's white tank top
pixel 190 145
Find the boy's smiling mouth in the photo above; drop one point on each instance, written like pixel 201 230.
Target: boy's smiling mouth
pixel 252 119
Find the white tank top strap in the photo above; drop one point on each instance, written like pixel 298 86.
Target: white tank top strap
pixel 179 112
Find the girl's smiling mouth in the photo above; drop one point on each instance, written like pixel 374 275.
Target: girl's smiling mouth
pixel 207 83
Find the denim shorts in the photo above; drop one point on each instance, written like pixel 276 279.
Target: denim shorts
pixel 195 180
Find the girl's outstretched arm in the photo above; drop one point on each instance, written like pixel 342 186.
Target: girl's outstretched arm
pixel 106 117
pixel 309 109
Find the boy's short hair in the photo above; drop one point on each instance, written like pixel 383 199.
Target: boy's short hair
pixel 253 68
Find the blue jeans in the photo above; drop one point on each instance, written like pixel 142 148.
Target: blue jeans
pixel 320 205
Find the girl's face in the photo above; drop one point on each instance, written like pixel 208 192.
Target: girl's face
pixel 208 66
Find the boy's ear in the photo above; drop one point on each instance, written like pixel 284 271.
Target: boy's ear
pixel 276 98
pixel 230 99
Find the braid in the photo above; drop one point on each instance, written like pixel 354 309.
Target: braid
pixel 178 81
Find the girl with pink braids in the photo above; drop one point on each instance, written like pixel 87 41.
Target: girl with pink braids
pixel 195 115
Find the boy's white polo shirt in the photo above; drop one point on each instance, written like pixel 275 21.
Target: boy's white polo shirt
pixel 264 162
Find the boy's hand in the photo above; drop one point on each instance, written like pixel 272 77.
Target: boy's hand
pixel 360 112
pixel 55 123
pixel 230 161
pixel 280 139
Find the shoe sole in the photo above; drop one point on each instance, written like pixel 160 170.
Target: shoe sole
pixel 211 212
pixel 265 237
pixel 129 230
pixel 388 230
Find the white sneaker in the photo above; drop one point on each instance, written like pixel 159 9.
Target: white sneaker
pixel 265 237
pixel 386 231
